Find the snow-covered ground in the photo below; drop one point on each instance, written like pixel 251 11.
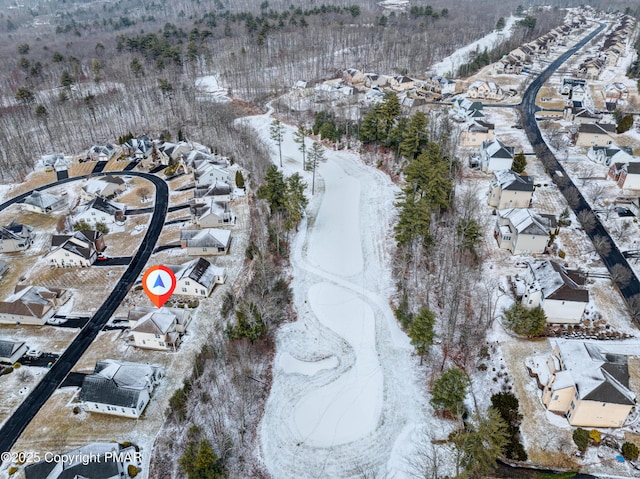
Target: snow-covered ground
pixel 449 66
pixel 346 395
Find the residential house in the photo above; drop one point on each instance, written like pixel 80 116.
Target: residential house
pixel 495 155
pixel 464 109
pixel 522 231
pixel 80 249
pixel 101 152
pixel 218 192
pixel 50 161
pixel 569 84
pixel 211 214
pixel 11 351
pixel 206 242
pixel 523 53
pixel 374 80
pixel 171 152
pixel 207 174
pixel 510 190
pixel 486 90
pixel 509 65
pixel 138 148
pixel 591 68
pixel 476 133
pixel 15 237
pixel 198 277
pixel 610 154
pixel 626 175
pixel 353 76
pixel 99 210
pixel 560 292
pixel 402 83
pixel 595 134
pixel 441 85
pixel 99 460
pixel 161 329
pixel 614 92
pixel 587 384
pixel 108 186
pixel 119 388
pixel 195 158
pixel 580 115
pixel 41 202
pixel 32 304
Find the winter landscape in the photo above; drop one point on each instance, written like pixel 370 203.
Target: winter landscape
pixel 392 259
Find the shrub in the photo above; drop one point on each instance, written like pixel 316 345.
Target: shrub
pixel 13 470
pixel 16 365
pixel 524 321
pixel 594 435
pixel 132 470
pixel 630 451
pixel 581 438
pixel 625 124
pixel 562 254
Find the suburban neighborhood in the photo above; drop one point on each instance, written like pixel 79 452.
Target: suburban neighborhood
pixel 452 291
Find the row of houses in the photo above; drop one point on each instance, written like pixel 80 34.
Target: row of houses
pixel 514 61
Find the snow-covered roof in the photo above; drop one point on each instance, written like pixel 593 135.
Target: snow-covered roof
pixel 208 237
pixel 43 200
pixel 95 186
pixel 526 221
pixel 199 270
pixel 510 180
pixel 599 375
pixel 497 149
pixel 555 282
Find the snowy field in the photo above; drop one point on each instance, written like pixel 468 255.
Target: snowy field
pixel 346 393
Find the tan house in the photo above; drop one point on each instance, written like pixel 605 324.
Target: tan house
pixel 587 384
pixel 510 190
pixel 15 237
pixel 32 304
pixel 522 231
pixel 580 115
pixel 476 133
pixel 161 329
pixel 595 134
pixel 486 90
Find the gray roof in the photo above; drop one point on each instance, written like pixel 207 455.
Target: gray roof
pixel 497 149
pixel 556 282
pixel 599 128
pixel 200 270
pixel 9 347
pixel 77 467
pixel 118 383
pixel 208 237
pixel 43 200
pixel 512 181
pixel 526 221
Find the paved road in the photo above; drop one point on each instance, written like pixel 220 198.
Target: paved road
pixel 99 166
pixel 565 184
pixel 16 424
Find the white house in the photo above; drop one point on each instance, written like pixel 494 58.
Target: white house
pixel 464 109
pixel 32 304
pixel 161 329
pixel 211 214
pixel 522 231
pixel 610 154
pixel 626 175
pixel 11 351
pixel 99 210
pixel 218 192
pixel 208 174
pixel 560 292
pixel 595 134
pixel 103 186
pixel 77 250
pixel 104 460
pixel 495 155
pixel 119 388
pixel 510 190
pixel 198 277
pixel 41 202
pixel 206 242
pixel 15 237
pixel 101 152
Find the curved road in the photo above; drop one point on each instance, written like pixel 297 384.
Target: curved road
pixel 17 423
pixel 563 181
